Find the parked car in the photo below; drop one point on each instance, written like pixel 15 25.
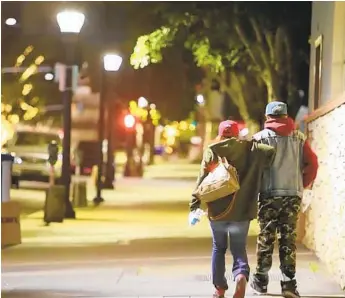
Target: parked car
pixel 29 147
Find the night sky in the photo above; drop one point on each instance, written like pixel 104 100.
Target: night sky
pixel 118 24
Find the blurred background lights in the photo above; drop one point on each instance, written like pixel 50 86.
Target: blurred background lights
pixel 48 76
pixel 11 22
pixel 200 99
pixel 142 102
pixel 129 121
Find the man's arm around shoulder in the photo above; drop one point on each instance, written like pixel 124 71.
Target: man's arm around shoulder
pixel 268 152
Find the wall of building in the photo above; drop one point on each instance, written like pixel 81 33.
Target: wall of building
pixel 325 218
pixel 322 25
pixel 328 21
pixel 338 51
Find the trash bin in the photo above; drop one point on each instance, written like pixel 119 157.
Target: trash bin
pixel 6 176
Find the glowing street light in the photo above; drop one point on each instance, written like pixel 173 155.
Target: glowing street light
pixel 48 76
pixel 11 22
pixel 142 102
pixel 112 62
pixel 129 121
pixel 70 21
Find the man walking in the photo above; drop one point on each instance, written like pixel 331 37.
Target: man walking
pixel 230 216
pixel 294 168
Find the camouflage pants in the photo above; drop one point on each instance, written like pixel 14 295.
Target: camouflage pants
pixel 278 215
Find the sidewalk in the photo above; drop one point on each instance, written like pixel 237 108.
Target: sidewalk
pixel 138 243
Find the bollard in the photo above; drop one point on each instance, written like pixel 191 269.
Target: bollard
pixel 54 207
pixel 6 176
pixel 79 198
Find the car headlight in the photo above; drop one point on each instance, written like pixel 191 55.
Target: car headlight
pixel 17 160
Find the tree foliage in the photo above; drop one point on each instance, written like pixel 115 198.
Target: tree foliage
pixel 24 95
pixel 245 46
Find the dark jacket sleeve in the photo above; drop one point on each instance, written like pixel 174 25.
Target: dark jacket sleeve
pixel 268 153
pixel 311 165
pixel 209 159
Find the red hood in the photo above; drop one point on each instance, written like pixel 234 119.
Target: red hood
pixel 282 126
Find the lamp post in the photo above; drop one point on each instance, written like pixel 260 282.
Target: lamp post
pixel 144 104
pixel 114 109
pixel 111 63
pixel 70 23
pixel 130 167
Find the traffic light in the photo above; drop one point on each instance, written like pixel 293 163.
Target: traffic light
pixel 129 121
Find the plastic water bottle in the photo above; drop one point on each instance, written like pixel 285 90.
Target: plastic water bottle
pixel 195 216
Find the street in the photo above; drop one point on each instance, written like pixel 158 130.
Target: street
pixel 138 244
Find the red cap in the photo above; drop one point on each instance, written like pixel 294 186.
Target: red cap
pixel 228 129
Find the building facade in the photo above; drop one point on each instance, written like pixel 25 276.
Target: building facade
pixel 325 218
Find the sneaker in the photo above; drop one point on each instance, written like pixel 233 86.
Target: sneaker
pixel 289 289
pixel 259 284
pixel 241 283
pixel 220 293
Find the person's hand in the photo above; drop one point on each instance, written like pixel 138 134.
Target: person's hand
pixel 195 216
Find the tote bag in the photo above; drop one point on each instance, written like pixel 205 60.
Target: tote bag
pixel 219 183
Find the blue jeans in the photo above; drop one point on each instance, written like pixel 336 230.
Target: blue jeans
pixel 221 232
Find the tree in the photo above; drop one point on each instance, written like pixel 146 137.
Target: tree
pixel 228 40
pixel 25 94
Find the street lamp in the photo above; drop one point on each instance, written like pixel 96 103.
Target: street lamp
pixel 131 168
pixel 111 63
pixel 11 22
pixel 70 23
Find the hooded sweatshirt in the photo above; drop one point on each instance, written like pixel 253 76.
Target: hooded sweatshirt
pixel 285 127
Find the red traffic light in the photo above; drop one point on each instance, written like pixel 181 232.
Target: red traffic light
pixel 129 121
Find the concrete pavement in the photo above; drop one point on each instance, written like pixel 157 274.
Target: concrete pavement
pixel 137 244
